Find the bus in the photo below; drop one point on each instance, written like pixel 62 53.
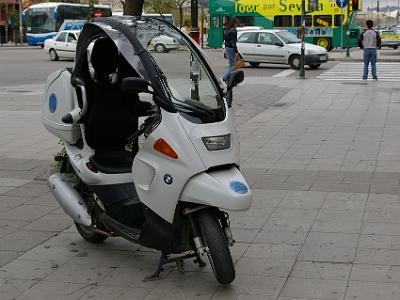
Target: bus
pixel 164 17
pixel 44 20
pixel 325 26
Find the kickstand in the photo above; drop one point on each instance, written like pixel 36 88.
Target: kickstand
pixel 156 275
pixel 199 261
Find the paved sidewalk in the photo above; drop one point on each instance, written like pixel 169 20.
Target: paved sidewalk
pixel 322 159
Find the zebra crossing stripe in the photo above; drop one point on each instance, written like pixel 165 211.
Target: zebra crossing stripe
pixel 354 71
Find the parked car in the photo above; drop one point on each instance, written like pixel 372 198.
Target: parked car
pixel 63 45
pixel 278 47
pixel 389 38
pixel 163 43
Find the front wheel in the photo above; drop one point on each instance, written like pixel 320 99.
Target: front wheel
pixel 53 55
pixel 254 64
pixel 314 67
pixel 218 251
pixel 294 61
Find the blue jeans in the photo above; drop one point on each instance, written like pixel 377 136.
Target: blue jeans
pixel 230 53
pixel 369 56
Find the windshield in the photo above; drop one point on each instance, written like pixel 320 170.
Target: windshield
pixel 41 20
pixel 181 72
pixel 287 37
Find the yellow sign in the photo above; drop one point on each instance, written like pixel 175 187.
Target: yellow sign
pixel 282 7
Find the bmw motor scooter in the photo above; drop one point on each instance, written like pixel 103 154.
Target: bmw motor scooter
pixel 166 183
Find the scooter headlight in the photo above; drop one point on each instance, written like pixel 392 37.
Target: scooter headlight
pixel 219 142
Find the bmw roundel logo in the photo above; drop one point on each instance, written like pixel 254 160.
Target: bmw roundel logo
pixel 168 179
pixel 53 103
pixel 238 187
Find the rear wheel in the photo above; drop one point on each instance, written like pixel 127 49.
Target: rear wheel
pixel 324 42
pixel 160 48
pixel 294 61
pixel 218 251
pixel 254 64
pixel 314 67
pixel 53 55
pixel 89 235
pixel 395 47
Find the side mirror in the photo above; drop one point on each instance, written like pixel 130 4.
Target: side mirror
pixel 279 44
pixel 234 79
pixel 131 85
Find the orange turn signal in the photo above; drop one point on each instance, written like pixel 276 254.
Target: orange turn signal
pixel 163 147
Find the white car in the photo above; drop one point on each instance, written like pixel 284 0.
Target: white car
pixel 163 43
pixel 278 47
pixel 63 45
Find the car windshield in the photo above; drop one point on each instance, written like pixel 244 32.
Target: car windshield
pixel 182 73
pixel 287 37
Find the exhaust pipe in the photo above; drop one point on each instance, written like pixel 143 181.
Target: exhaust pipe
pixel 69 199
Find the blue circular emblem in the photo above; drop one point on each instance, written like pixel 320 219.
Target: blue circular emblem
pixel 238 187
pixel 52 103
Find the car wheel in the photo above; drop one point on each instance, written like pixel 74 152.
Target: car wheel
pixel 294 61
pixel 395 47
pixel 42 46
pixel 53 55
pixel 324 42
pixel 314 67
pixel 254 64
pixel 160 48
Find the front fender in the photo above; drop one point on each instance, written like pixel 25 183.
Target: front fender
pixel 225 189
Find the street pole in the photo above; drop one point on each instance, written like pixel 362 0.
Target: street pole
pixel 398 13
pixel 21 34
pixel 194 31
pixel 341 29
pixel 348 30
pixel 377 12
pixel 302 73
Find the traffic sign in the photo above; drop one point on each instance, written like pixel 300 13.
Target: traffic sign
pixel 341 3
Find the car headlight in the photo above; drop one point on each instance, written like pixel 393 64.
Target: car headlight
pixel 219 142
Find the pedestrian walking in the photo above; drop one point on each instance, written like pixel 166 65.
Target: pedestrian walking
pixel 230 39
pixel 369 41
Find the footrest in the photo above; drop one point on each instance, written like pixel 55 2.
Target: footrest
pixel 127 232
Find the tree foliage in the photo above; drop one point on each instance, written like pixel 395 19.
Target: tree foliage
pixel 133 7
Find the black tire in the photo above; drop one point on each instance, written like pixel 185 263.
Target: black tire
pixel 53 55
pixel 218 252
pixel 324 42
pixel 42 46
pixel 395 47
pixel 294 61
pixel 254 64
pixel 160 48
pixel 89 235
pixel 314 67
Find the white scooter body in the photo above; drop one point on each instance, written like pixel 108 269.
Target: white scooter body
pixel 190 180
pixel 186 170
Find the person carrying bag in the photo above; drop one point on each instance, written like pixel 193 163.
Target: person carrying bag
pixel 230 39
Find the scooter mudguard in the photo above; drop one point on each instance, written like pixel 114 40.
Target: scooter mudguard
pixel 226 189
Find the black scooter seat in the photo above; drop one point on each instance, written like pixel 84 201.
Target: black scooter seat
pixel 113 162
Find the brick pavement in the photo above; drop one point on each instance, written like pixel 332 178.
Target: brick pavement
pixel 322 159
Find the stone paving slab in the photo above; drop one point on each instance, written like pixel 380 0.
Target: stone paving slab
pixel 322 159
